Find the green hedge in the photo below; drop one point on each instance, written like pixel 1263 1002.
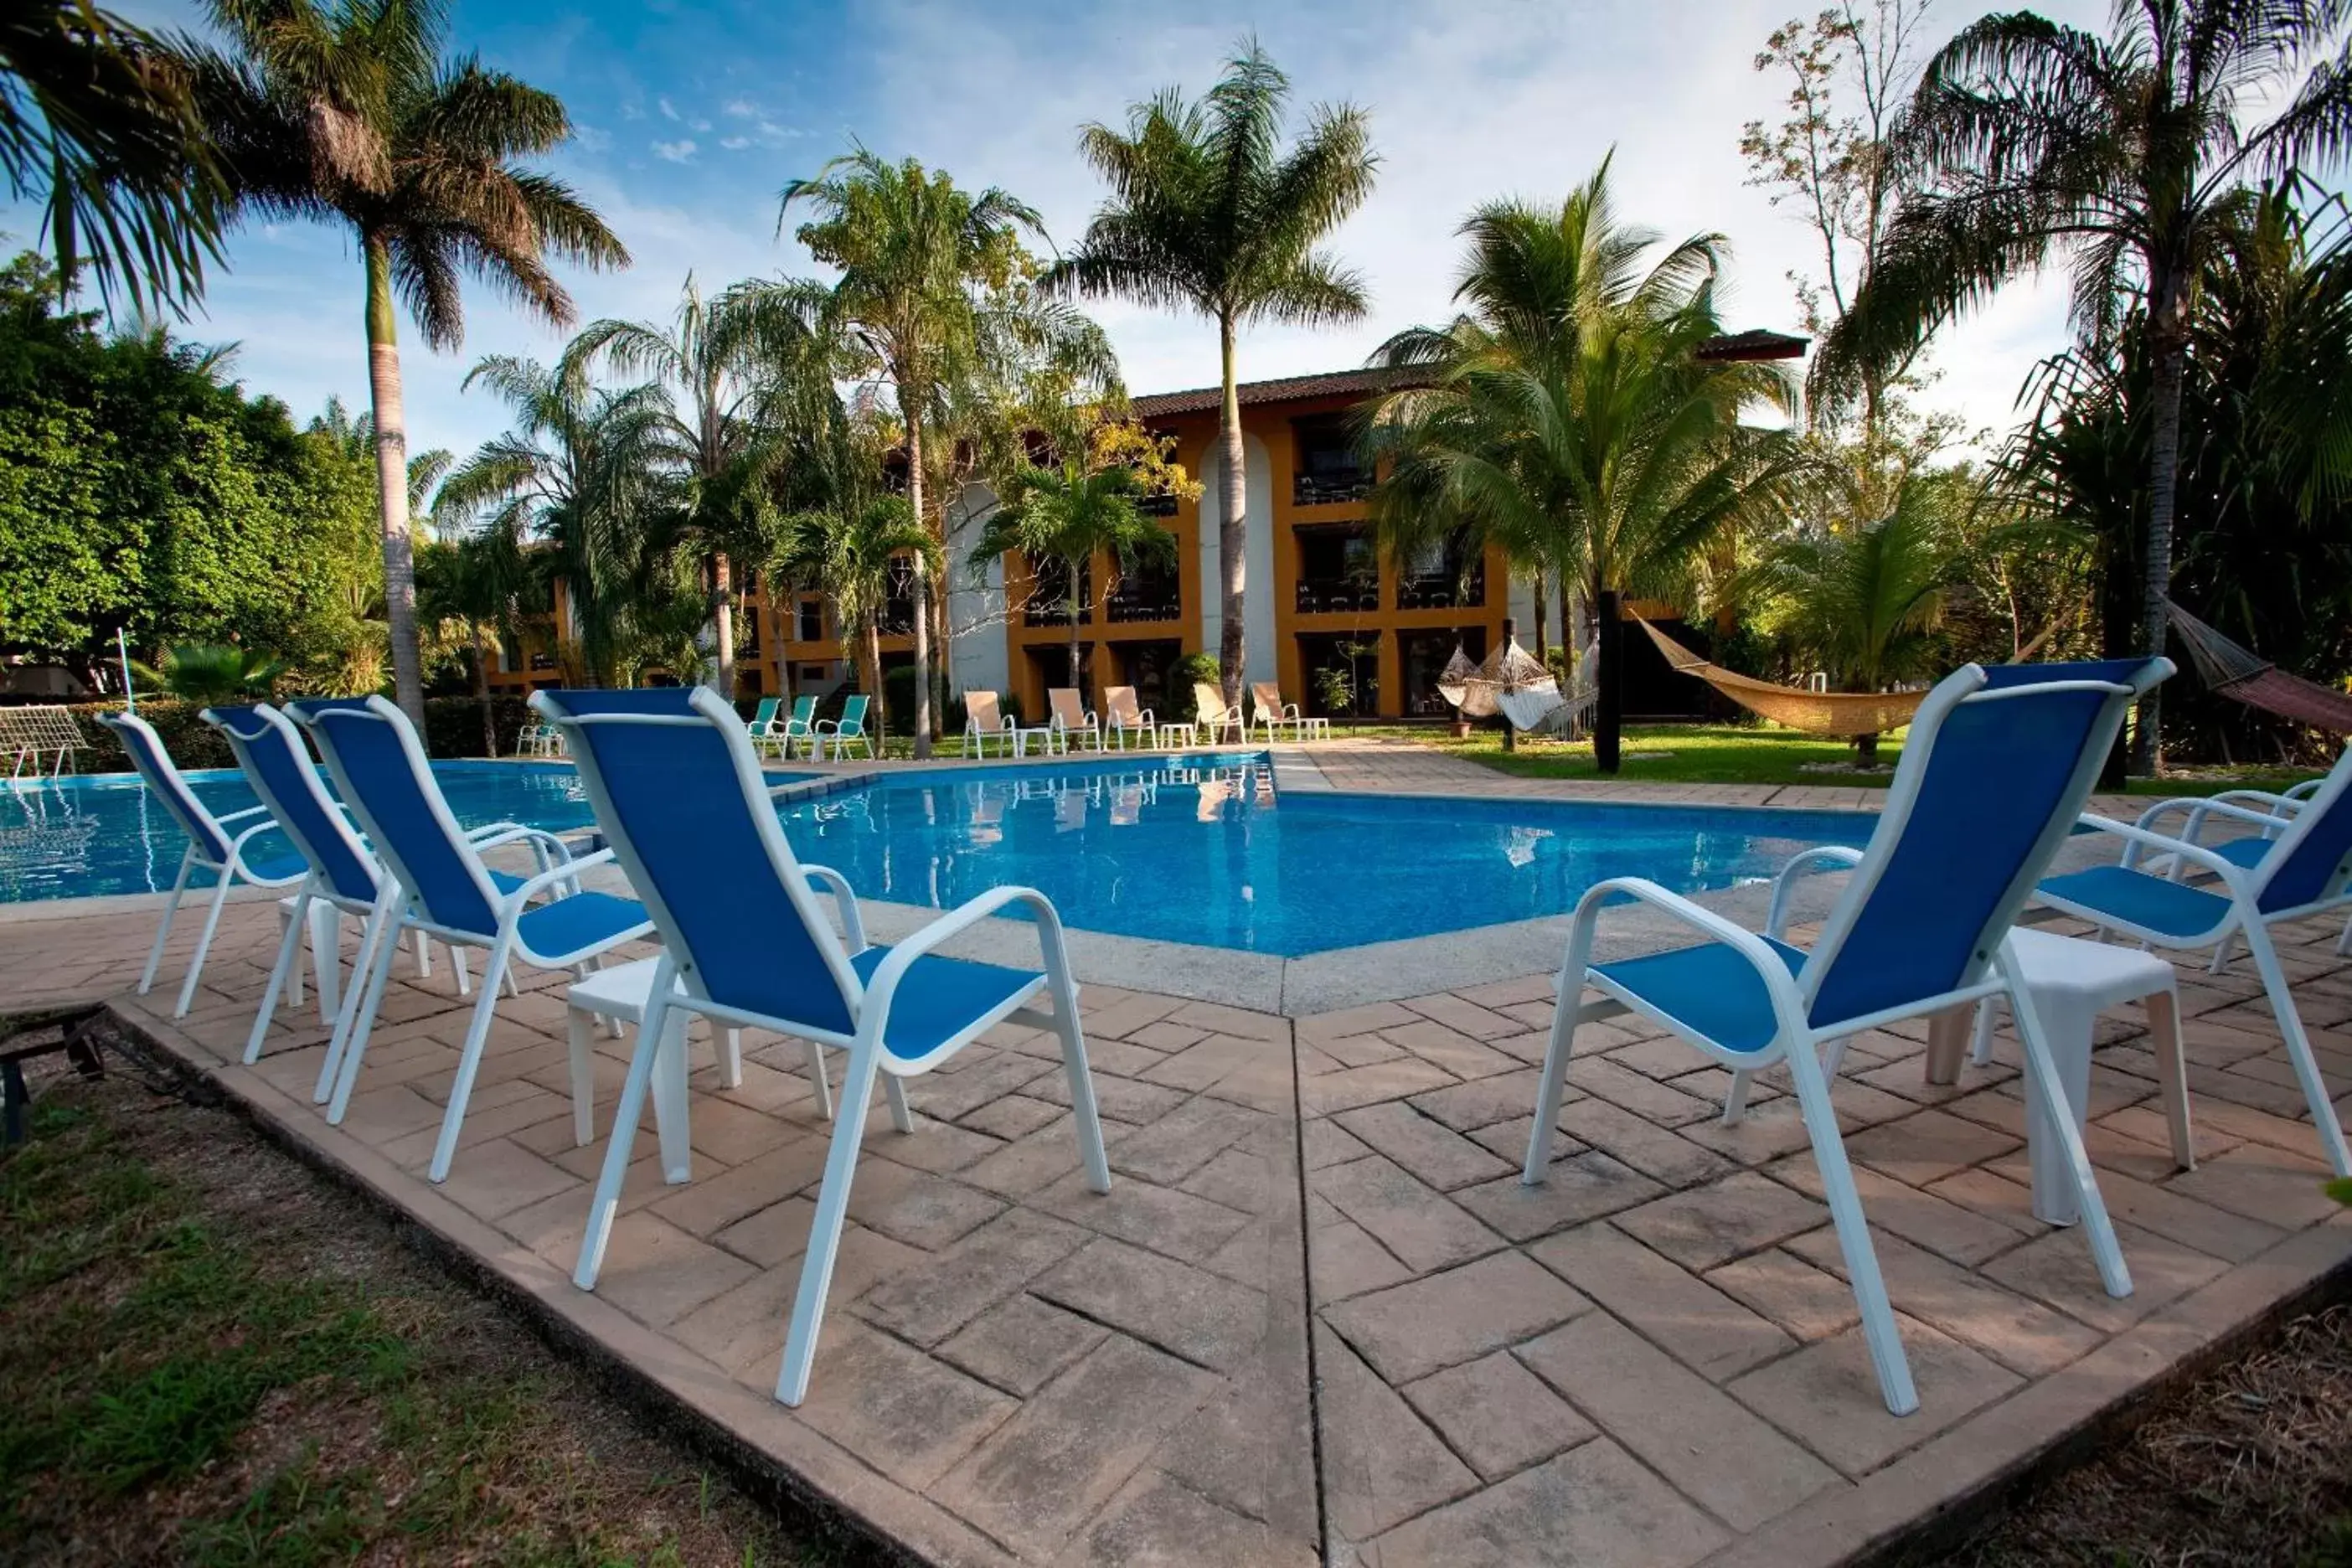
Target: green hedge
pixel 453 728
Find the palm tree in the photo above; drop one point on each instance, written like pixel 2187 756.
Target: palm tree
pixel 97 115
pixel 1071 514
pixel 2127 154
pixel 1572 419
pixel 577 474
pixel 347 112
pixel 1207 212
pixel 479 580
pixel 913 251
pixel 847 547
pixel 206 673
pixel 736 373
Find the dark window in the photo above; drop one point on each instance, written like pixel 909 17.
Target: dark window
pixel 1337 571
pixel 1327 470
pixel 1049 592
pixel 812 618
pixel 1447 574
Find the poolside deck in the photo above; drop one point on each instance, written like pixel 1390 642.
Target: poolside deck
pixel 1317 1319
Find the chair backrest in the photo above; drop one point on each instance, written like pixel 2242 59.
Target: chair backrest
pixel 1069 712
pixel 2309 862
pixel 278 766
pixel 1209 700
pixel 1266 696
pixel 154 763
pixel 1125 710
pixel 981 712
pixel 678 793
pixel 803 714
pixel 380 770
pixel 1995 770
pixel 766 715
pixel 852 714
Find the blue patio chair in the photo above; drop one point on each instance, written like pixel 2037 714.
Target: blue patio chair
pixel 213 847
pixel 678 791
pixel 1997 764
pixel 850 726
pixel 344 878
pixel 2297 865
pixel 439 885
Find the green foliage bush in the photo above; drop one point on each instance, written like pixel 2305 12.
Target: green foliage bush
pixel 453 728
pixel 1192 667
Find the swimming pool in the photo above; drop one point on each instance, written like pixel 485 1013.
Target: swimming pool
pixel 1204 852
pixel 1196 850
pixel 102 833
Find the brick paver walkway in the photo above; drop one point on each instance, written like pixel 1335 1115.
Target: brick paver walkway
pixel 1650 1361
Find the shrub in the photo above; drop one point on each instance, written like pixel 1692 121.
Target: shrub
pixel 453 728
pixel 1192 667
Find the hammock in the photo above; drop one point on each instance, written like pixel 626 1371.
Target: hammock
pixel 1510 682
pixel 1815 713
pixel 2236 672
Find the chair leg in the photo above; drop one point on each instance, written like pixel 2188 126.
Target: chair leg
pixel 457 963
pixel 2172 1073
pixel 816 1077
pixel 2344 942
pixel 1735 1104
pixel 894 1092
pixel 2041 1067
pixel 469 1060
pixel 1980 1044
pixel 584 1077
pixel 1568 1003
pixel 163 930
pixel 326 958
pixel 625 1117
pixel 371 942
pixel 670 1092
pixel 1878 1330
pixel 293 975
pixel 730 1058
pixel 1081 1079
pixel 361 1025
pixel 2222 955
pixel 204 944
pixel 289 946
pixel 2298 1048
pixel 824 1228
pixel 424 961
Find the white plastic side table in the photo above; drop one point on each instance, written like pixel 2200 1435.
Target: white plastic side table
pixel 2072 981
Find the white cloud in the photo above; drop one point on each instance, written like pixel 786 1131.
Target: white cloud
pixel 734 143
pixel 698 125
pixel 678 151
pixel 742 108
pixel 669 111
pixel 591 138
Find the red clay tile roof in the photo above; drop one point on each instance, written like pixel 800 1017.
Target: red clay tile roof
pixel 1204 399
pixel 1753 345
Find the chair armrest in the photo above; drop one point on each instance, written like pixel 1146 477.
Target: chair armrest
pixel 884 986
pixel 1788 1006
pixel 852 922
pixel 226 817
pixel 1787 879
pixel 2140 838
pixel 554 874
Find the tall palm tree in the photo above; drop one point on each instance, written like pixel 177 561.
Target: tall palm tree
pixel 97 116
pixel 914 253
pixel 1208 213
pixel 735 371
pixel 2126 153
pixel 1570 419
pixel 347 112
pixel 577 474
pixel 479 580
pixel 1071 514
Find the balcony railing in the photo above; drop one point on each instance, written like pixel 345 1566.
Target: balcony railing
pixel 1329 489
pixel 1146 602
pixel 1338 596
pixel 1442 592
pixel 1055 613
pixel 1157 506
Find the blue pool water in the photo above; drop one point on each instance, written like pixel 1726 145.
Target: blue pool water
pixel 1195 851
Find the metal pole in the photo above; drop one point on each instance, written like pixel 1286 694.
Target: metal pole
pixel 129 693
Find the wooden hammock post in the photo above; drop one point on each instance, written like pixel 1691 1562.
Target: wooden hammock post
pixel 1608 714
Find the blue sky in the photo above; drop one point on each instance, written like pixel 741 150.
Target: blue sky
pixel 692 117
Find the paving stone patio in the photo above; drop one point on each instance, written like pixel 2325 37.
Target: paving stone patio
pixel 1318 1319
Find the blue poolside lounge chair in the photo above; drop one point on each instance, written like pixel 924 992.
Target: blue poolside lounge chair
pixel 678 790
pixel 213 847
pixel 850 726
pixel 439 885
pixel 1997 766
pixel 344 878
pixel 2296 865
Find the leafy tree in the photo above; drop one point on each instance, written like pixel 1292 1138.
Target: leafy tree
pixel 914 253
pixel 1572 419
pixel 1208 213
pixel 97 115
pixel 348 113
pixel 1072 514
pixel 2128 154
pixel 481 581
pixel 203 673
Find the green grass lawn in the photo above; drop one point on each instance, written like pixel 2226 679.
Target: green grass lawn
pixel 1737 753
pixel 211 1357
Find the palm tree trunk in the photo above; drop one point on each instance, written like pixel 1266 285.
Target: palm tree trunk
pixel 1543 628
pixel 722 621
pixel 2168 337
pixel 482 690
pixel 1078 610
pixel 391 482
pixel 874 676
pixel 1608 712
pixel 1233 528
pixel 922 583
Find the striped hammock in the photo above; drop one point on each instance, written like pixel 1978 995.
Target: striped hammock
pixel 2238 673
pixel 1815 713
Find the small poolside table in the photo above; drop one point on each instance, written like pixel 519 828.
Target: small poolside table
pixel 1191 733
pixel 2073 980
pixel 618 995
pixel 1044 737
